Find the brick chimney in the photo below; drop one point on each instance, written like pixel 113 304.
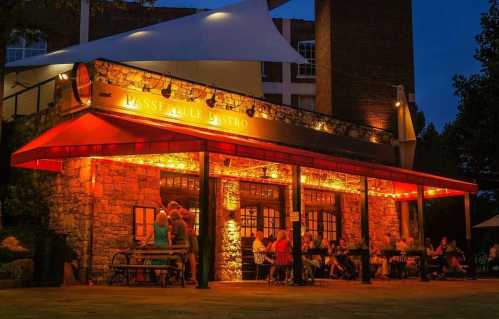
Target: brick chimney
pixel 363 49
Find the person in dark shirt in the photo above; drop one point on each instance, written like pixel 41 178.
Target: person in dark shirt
pixel 179 228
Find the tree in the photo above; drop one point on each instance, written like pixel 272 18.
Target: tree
pixel 474 134
pixel 18 21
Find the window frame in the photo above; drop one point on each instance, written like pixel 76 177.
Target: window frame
pixel 299 97
pixel 23 48
pixel 312 61
pixel 134 220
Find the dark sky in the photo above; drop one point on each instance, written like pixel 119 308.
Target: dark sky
pixel 444 32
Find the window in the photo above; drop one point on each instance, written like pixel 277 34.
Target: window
pixel 23 49
pixel 143 218
pixel 321 213
pixel 306 102
pixel 248 221
pixel 195 211
pixel 307 50
pixel 312 222
pixel 329 225
pixel 271 222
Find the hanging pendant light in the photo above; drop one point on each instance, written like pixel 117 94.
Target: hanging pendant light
pixel 251 111
pixel 212 101
pixel 167 92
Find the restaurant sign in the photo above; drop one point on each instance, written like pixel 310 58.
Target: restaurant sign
pixel 197 113
pixel 155 106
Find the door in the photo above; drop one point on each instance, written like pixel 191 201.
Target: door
pixel 261 210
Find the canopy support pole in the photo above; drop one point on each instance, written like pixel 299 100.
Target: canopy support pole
pixel 297 261
pixel 204 220
pixel 421 234
pixel 364 225
pixel 469 244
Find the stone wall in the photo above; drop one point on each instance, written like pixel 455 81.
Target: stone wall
pixel 117 188
pixel 228 254
pixel 383 218
pixel 70 212
pixel 100 195
pixel 137 79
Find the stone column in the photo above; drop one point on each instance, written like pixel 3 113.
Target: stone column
pixel 204 220
pixel 364 226
pixel 404 219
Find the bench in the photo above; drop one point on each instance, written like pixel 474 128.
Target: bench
pixel 125 264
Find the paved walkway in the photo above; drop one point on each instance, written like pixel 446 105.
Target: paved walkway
pixel 334 299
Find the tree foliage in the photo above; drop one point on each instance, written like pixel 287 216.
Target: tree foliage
pixel 474 134
pixel 23 195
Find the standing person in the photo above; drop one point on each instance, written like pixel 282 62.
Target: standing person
pixel 171 206
pixel 162 239
pixel 192 240
pixel 179 232
pixel 283 257
pixel 179 228
pixel 258 246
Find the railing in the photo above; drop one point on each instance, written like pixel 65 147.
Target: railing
pixel 29 100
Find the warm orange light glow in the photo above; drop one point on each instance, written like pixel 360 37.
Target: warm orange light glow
pixel 231 194
pixel 232 256
pixel 264 172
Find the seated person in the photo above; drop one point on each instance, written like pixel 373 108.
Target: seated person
pixel 379 263
pixel 282 251
pixel 493 260
pixel 399 262
pixel 388 243
pixel 345 261
pixel 310 262
pixel 162 239
pixel 335 270
pixel 439 256
pixel 456 258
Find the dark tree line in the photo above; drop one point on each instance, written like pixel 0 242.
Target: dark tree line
pixel 468 146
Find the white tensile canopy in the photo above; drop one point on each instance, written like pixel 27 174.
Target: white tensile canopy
pixel 490 223
pixel 239 32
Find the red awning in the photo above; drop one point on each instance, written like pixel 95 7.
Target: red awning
pixel 97 134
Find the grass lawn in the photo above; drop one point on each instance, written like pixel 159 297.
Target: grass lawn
pixel 332 299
